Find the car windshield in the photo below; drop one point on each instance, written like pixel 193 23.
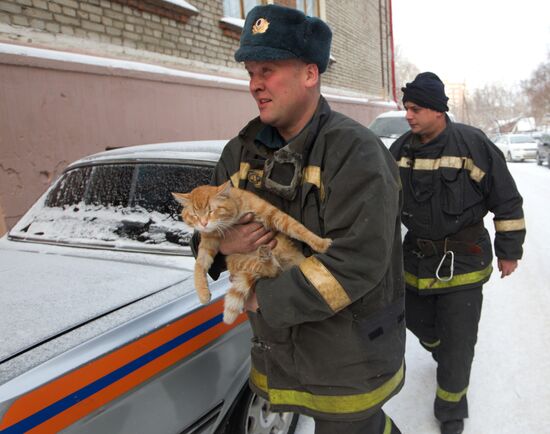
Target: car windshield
pixel 389 127
pixel 125 205
pixel 520 139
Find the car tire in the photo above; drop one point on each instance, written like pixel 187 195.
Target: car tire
pixel 253 416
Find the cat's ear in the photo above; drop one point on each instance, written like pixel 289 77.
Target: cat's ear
pixel 183 198
pixel 223 190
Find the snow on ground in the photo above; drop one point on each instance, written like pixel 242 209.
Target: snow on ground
pixel 509 387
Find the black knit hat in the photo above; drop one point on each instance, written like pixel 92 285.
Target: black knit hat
pixel 274 32
pixel 428 91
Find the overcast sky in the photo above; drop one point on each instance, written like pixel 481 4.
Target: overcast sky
pixel 473 41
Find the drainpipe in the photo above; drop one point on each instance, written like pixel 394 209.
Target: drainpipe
pixel 392 56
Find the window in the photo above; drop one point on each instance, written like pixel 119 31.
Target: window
pixel 308 7
pixel 239 8
pixel 126 205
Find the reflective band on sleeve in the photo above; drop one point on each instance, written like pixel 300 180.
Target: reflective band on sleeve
pixel 449 396
pixel 322 279
pixel 431 344
pixel 447 162
pixel 241 174
pixel 457 280
pixel 335 404
pixel 509 225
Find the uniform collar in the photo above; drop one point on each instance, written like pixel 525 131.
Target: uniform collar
pixel 270 138
pixel 434 144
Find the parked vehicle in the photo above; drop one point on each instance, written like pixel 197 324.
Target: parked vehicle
pixel 389 126
pixel 101 329
pixel 543 148
pixel 517 147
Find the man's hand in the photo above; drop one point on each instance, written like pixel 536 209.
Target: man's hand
pixel 246 236
pixel 507 266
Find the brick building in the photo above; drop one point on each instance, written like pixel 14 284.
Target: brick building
pixel 77 76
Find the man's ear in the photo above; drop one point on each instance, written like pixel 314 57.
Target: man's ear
pixel 224 189
pixel 312 75
pixel 182 198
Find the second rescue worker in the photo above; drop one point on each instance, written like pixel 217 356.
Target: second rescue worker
pixel 452 175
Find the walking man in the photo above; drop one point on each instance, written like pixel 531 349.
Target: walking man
pixel 452 175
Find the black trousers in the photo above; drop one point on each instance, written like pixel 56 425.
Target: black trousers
pixel 447 325
pixel 378 423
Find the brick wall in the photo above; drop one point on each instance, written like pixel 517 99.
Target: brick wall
pixel 359 65
pixel 200 38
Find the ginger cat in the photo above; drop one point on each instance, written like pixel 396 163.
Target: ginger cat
pixel 212 211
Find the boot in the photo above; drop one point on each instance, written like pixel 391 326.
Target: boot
pixel 452 426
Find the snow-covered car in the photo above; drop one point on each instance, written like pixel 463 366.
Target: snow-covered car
pixel 389 126
pixel 100 327
pixel 543 148
pixel 517 147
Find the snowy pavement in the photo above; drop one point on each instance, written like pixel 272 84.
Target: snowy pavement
pixel 510 384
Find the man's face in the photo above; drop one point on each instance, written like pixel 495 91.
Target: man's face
pixel 423 121
pixel 280 90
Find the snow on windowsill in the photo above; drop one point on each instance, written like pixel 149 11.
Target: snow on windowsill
pixel 237 23
pixel 183 4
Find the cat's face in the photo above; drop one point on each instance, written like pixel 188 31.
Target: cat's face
pixel 208 208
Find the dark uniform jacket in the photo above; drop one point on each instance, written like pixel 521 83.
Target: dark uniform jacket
pixel 329 339
pixel 449 185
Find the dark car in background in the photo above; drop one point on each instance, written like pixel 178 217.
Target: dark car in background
pixel 543 148
pixel 101 330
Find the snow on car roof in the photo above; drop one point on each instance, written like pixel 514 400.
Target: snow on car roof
pixel 200 150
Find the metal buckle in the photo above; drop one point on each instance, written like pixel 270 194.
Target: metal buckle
pixel 283 156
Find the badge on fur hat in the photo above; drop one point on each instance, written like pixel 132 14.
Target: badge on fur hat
pixel 260 26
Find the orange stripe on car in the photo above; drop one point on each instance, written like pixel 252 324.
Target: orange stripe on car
pixel 51 407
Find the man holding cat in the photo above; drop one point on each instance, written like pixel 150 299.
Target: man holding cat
pixel 329 334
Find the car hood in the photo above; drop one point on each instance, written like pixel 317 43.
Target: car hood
pixel 44 294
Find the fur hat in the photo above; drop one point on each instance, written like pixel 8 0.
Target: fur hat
pixel 274 32
pixel 426 90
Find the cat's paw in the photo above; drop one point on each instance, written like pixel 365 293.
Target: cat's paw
pixel 229 316
pixel 323 245
pixel 264 253
pixel 205 297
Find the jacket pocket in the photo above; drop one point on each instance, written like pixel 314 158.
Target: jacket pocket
pixel 460 192
pixel 452 200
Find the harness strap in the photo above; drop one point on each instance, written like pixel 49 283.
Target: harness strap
pixel 463 242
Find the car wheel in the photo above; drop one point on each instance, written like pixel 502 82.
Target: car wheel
pixel 252 415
